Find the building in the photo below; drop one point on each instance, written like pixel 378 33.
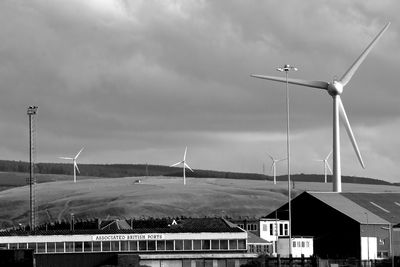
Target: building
pixel 182 243
pixel 250 224
pixel 273 229
pixel 257 245
pixel 347 225
pixel 301 246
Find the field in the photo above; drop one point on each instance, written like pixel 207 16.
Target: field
pixel 154 197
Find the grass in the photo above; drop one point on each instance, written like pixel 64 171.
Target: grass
pixel 154 197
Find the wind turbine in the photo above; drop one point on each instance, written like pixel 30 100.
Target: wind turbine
pixel 326 165
pixel 184 166
pixel 74 163
pixel 335 89
pixel 273 166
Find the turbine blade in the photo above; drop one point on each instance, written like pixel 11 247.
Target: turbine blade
pixel 349 131
pixel 314 84
pixel 269 155
pixel 65 158
pixel 327 157
pixel 350 72
pixel 77 155
pixel 187 166
pixel 329 168
pixel 173 165
pixel 184 155
pixel 272 167
pixel 76 167
pixel 279 160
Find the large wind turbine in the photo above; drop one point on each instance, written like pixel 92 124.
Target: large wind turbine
pixel 273 166
pixel 74 163
pixel 335 89
pixel 326 165
pixel 184 166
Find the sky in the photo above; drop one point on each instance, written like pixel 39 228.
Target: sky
pixel 138 81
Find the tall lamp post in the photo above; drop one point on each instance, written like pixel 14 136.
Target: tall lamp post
pixel 286 69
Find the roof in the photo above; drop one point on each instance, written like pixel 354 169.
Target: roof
pixel 188 225
pixel 254 239
pixel 373 208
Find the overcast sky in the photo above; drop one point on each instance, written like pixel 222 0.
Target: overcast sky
pixel 137 81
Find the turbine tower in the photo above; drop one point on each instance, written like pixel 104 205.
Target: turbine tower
pixel 326 165
pixel 335 89
pixel 75 165
pixel 273 166
pixel 184 166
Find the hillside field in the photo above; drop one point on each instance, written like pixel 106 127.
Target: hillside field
pixel 155 197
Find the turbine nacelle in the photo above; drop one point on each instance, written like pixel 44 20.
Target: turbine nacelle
pixel 335 88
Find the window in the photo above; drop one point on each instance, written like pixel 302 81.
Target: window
pixel 87 246
pixel 187 244
pixel 205 244
pixel 142 245
pixel 69 246
pixel 133 245
pixel 51 247
pixel 106 245
pixel 252 227
pixel 214 244
pixel 280 229
pixel 78 246
pixel 242 244
pixel 241 226
pixel 114 245
pixel 286 226
pixel 60 247
pixel 307 244
pixel 232 244
pixel 151 245
pixel 40 247
pixel 178 244
pixel 265 227
pixel 124 245
pixel 96 246
pixel 30 246
pixel 302 244
pixel 294 244
pixel 223 244
pixel 170 244
pixel 161 245
pixel 22 245
pixel 196 244
pixel 271 229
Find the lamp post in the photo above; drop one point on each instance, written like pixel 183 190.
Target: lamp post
pixel 286 69
pixel 391 254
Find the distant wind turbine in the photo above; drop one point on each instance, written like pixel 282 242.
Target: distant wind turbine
pixel 326 165
pixel 335 89
pixel 273 166
pixel 184 166
pixel 75 165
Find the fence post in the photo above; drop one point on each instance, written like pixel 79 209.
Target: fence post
pixel 302 260
pixel 278 259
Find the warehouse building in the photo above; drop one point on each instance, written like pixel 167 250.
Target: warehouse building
pixel 182 243
pixel 346 225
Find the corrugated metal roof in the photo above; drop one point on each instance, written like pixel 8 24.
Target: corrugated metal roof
pixel 381 204
pixel 342 202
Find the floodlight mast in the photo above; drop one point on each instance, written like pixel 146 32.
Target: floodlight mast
pixel 286 69
pixel 32 110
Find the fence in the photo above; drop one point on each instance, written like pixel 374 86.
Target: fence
pixel 265 261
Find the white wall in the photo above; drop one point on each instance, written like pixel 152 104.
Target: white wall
pixel 371 244
pixel 300 245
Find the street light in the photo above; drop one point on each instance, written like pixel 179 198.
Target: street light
pixel 367 238
pixel 286 69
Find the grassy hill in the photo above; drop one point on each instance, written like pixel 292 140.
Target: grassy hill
pixel 154 197
pixel 46 172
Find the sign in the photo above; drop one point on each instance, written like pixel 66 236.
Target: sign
pixel 128 237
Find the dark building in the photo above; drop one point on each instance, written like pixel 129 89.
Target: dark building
pixel 347 225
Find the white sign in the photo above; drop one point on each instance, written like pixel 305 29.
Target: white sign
pixel 128 237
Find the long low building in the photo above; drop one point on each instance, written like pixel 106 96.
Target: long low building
pixel 188 242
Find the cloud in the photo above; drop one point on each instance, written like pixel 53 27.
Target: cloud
pixel 146 78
